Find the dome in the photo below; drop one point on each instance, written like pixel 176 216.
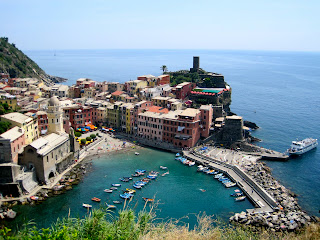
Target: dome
pixel 54 101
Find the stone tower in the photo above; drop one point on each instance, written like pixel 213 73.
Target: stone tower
pixel 196 64
pixel 54 113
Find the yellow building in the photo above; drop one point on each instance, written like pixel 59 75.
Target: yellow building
pixel 135 85
pixel 30 127
pixel 113 115
pixel 10 100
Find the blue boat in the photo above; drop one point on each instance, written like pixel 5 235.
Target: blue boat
pixel 140 183
pixel 151 176
pixel 126 195
pixel 140 171
pixel 137 186
pixel 178 155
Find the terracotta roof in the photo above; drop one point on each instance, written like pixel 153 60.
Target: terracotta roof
pixel 157 109
pixel 117 93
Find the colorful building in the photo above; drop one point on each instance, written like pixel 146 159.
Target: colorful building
pixel 78 115
pixel 184 89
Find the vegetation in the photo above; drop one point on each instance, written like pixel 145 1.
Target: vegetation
pixel 15 62
pixel 93 136
pixel 83 141
pixel 100 224
pixel 164 68
pixel 5 108
pixel 4 126
pixel 77 134
pixel 183 76
pixel 88 138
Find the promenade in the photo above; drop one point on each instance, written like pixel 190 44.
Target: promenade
pixel 262 200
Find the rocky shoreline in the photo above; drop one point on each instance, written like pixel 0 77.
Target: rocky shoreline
pixel 289 217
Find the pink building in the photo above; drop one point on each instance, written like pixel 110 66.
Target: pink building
pixel 11 144
pixel 85 83
pixel 206 120
pixel 182 127
pixel 163 79
pixel 139 108
pixel 184 89
pixel 150 125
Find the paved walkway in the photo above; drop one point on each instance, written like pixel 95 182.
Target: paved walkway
pixel 255 193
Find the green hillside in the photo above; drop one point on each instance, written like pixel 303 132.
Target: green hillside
pixel 14 62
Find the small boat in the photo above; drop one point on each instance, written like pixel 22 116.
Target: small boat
pixel 136 153
pixel 237 190
pixel 229 184
pixel 111 206
pixel 136 175
pixel 151 176
pixel 86 205
pixel 116 185
pixel 95 199
pixel 117 202
pixel 140 183
pixel 58 187
pixel 164 174
pixel 34 198
pixel 126 195
pixel 191 163
pixel 239 194
pixel 114 188
pixel 238 199
pixel 218 175
pixel 140 171
pixel 164 168
pixel 202 190
pixel 124 179
pixel 137 186
pixel 108 190
pixel 303 146
pixel 130 190
pixel 148 199
pixel 178 155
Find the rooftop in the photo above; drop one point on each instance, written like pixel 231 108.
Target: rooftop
pixel 46 144
pixel 12 134
pixel 117 93
pixel 17 117
pixel 190 112
pixel 157 109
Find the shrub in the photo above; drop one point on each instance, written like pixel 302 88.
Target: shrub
pixel 88 138
pixel 93 136
pixel 83 141
pixel 78 134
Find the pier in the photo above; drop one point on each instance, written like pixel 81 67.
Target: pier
pixel 262 200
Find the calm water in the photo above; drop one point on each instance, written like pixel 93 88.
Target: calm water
pixel 178 193
pixel 277 90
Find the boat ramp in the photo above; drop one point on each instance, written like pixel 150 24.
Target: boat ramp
pixel 262 200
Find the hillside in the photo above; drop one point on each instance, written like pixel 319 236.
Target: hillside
pixel 14 62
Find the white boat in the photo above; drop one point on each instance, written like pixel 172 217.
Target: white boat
pixel 191 163
pixel 300 147
pixel 136 153
pixel 162 167
pixel 108 190
pixel 86 205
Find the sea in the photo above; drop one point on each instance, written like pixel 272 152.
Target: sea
pixel 279 91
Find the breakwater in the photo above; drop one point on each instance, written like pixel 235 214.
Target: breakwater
pixel 276 207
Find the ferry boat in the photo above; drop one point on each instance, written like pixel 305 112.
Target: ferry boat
pixel 300 147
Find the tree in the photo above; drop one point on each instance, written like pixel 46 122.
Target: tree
pixel 93 136
pixel 164 68
pixel 4 126
pixel 83 141
pixel 88 138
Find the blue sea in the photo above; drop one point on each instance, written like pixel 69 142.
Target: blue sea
pixel 279 91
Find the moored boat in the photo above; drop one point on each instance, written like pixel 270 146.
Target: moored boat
pixel 238 199
pixel 303 146
pixel 117 202
pixel 164 168
pixel 108 190
pixel 110 206
pixel 136 153
pixel 126 195
pixel 116 185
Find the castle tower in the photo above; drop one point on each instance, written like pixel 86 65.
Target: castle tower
pixel 196 64
pixel 54 113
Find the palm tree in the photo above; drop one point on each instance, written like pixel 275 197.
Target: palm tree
pixel 164 68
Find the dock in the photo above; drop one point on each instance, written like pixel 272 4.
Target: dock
pixel 262 201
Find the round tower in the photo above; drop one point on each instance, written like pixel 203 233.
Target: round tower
pixel 54 113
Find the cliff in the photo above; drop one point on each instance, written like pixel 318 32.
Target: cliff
pixel 18 65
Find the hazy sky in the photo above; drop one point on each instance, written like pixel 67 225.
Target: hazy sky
pixel 175 24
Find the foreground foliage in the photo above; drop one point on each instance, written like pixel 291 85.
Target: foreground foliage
pixel 100 224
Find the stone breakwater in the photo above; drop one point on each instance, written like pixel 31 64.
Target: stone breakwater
pixel 288 217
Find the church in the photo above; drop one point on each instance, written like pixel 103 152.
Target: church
pixel 50 155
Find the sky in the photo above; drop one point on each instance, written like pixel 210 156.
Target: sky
pixel 286 25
